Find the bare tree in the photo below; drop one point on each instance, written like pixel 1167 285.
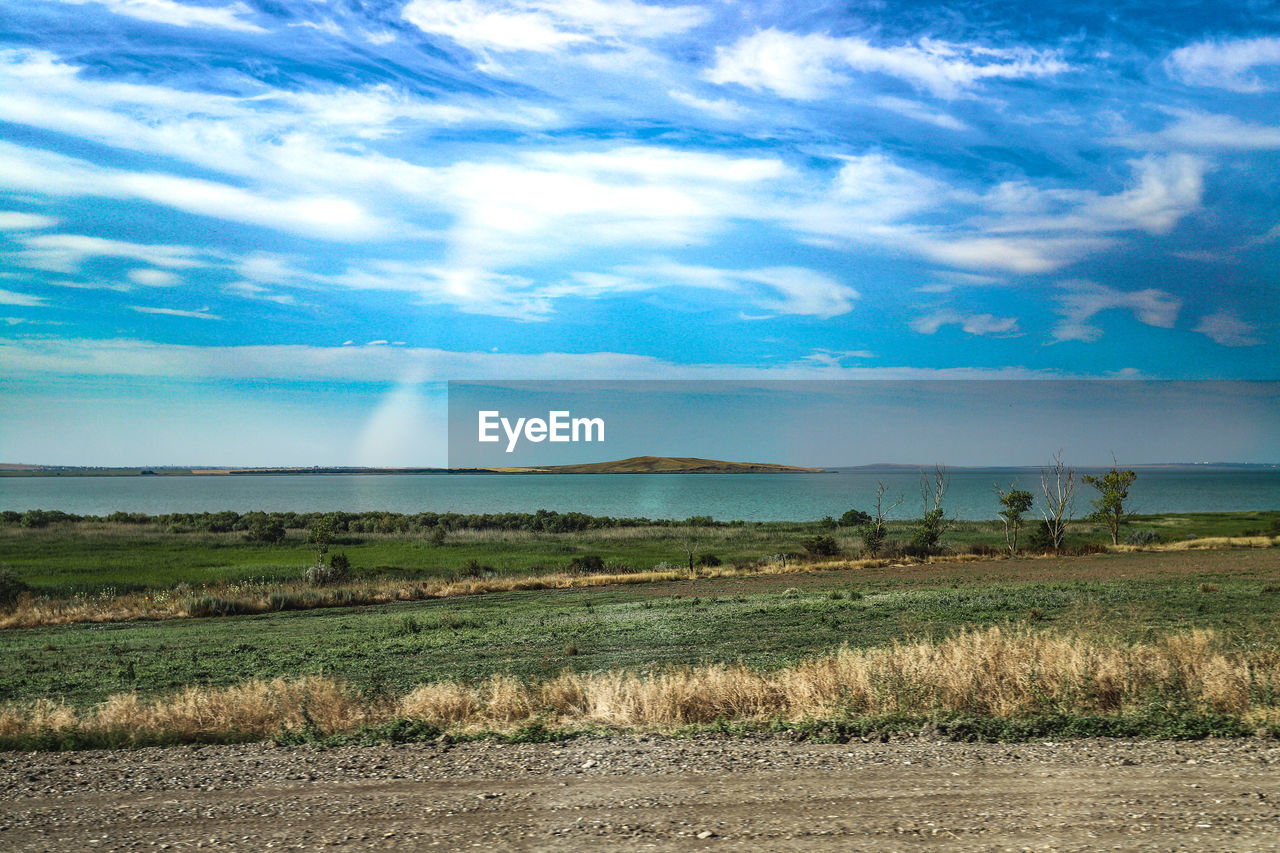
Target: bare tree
pixel 1058 482
pixel 875 530
pixel 932 516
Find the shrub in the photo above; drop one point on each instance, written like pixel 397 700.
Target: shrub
pixel 1208 587
pixel 586 564
pixel 475 569
pixel 708 560
pixel 266 530
pixel 1142 537
pixel 11 587
pixel 855 518
pixel 1041 538
pixel 337 570
pixel 214 605
pixel 822 546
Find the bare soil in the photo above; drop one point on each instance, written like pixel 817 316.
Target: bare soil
pixel 651 793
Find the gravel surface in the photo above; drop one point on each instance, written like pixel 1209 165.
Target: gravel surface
pixel 651 793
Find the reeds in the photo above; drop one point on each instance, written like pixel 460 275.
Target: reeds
pixel 992 673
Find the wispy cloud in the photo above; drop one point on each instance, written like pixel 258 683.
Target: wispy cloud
pixel 66 253
pixel 154 278
pixel 56 174
pixel 545 26
pixel 12 220
pixel 811 66
pixel 402 364
pixel 1232 64
pixel 778 290
pixel 987 325
pixel 1081 301
pixel 1199 130
pixel 9 297
pixel 229 17
pixel 1227 329
pixel 202 314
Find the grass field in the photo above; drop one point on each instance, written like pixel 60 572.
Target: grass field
pixel 91 557
pixel 767 623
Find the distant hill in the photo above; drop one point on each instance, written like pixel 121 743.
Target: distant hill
pixel 665 465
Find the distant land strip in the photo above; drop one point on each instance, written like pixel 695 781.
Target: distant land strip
pixel 634 465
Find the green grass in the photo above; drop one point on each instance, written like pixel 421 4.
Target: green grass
pixel 89 557
pixel 391 648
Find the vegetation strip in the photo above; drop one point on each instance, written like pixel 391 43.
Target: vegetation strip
pixel 997 674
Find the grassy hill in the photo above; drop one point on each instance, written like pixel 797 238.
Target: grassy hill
pixel 665 465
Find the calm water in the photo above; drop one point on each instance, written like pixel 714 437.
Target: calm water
pixel 751 497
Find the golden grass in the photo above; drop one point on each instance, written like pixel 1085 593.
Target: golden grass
pixel 995 672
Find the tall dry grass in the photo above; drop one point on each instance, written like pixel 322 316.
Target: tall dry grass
pixel 995 673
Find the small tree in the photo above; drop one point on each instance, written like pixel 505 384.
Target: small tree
pixel 1113 491
pixel 855 518
pixel 876 529
pixel 1014 504
pixel 933 521
pixel 322 535
pixel 1058 482
pixel 822 545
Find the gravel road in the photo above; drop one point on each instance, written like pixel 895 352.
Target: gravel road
pixel 651 793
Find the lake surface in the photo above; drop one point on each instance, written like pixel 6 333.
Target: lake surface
pixel 749 497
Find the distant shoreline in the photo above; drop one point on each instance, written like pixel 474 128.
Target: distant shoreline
pixel 626 466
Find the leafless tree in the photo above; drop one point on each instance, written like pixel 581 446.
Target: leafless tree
pixel 1058 482
pixel 933 520
pixel 875 531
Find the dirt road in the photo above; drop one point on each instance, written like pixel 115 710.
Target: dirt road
pixel 651 794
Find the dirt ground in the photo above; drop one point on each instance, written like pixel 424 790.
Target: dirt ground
pixel 649 793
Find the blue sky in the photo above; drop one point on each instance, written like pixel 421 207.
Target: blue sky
pixel 267 231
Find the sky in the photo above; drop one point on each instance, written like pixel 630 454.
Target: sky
pixel 268 232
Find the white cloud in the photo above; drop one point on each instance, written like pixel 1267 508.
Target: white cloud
pixel 318 215
pixel 230 17
pixel 1167 188
pixel 249 290
pixel 1228 330
pixel 1082 300
pixel 973 324
pixel 1228 64
pixel 12 220
pixel 1015 227
pixel 919 112
pixel 124 357
pixel 545 26
pixel 67 252
pixel 9 297
pixel 154 278
pixel 720 108
pixel 202 314
pixel 547 204
pixel 778 290
pixel 1209 131
pixel 807 67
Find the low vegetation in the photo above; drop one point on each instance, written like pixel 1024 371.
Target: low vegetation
pixel 994 674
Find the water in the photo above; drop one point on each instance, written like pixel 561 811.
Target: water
pixel 750 497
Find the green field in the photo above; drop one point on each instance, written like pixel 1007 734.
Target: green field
pixel 90 557
pixel 763 621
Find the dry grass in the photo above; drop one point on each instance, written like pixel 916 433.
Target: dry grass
pixel 996 673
